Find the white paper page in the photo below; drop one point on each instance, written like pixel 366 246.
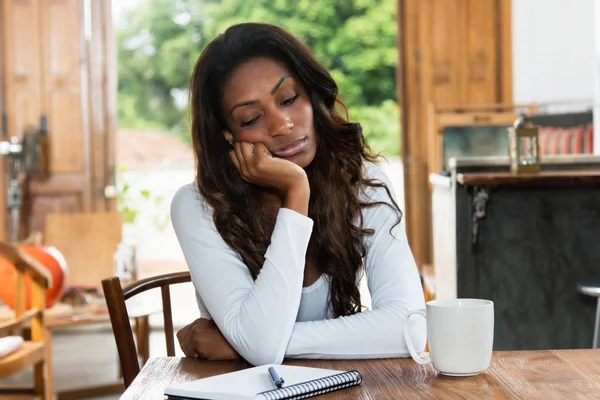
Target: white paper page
pixel 247 383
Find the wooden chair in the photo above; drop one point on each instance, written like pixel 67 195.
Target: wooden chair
pixel 115 299
pixel 36 352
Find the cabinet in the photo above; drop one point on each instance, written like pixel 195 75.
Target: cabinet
pixel 523 241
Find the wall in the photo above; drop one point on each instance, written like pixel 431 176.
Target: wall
pixel 553 51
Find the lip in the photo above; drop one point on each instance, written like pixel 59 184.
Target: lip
pixel 290 149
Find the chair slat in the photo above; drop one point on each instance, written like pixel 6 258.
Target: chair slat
pixel 168 320
pixel 119 320
pixel 20 294
pixel 152 282
pixel 115 298
pixel 38 300
pixel 12 325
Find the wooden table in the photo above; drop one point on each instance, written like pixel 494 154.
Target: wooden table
pixel 551 374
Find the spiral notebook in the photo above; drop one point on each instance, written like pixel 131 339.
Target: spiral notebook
pixel 255 383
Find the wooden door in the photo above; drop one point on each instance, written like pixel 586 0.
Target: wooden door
pixel 452 52
pixel 56 65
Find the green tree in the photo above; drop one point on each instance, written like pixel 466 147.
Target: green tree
pixel 158 43
pixel 355 39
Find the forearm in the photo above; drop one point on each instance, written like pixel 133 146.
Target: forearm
pixel 272 300
pixel 255 316
pixel 371 334
pixel 260 328
pixel 395 289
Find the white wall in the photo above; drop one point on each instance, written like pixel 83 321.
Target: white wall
pixel 553 51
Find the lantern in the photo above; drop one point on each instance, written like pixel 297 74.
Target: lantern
pixel 523 142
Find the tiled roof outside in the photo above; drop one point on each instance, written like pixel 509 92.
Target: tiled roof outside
pixel 146 149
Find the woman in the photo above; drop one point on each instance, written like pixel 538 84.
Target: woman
pixel 287 212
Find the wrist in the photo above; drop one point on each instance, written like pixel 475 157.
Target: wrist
pixel 297 198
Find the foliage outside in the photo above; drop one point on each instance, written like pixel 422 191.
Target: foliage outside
pixel 160 40
pixel 133 199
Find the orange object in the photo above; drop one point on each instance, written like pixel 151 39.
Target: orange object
pixel 50 258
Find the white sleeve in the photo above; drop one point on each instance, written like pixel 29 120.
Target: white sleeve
pixel 256 317
pixel 395 289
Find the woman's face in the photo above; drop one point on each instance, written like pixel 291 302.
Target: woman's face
pixel 264 102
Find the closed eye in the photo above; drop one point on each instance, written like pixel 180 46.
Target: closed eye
pixel 290 101
pixel 250 122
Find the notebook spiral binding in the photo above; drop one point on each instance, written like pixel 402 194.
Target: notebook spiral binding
pixel 314 387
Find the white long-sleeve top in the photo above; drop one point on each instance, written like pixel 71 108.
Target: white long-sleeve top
pixel 274 316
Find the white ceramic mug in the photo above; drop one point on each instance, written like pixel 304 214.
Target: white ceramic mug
pixel 460 335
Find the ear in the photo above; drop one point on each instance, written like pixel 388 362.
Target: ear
pixel 228 136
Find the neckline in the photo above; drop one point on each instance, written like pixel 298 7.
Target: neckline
pixel 315 285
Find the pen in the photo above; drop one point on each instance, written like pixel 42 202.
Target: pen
pixel 275 378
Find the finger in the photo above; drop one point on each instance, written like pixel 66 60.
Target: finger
pixel 188 349
pixel 195 340
pixel 261 153
pixel 235 161
pixel 240 157
pixel 185 336
pixel 183 333
pixel 187 346
pixel 198 346
pixel 247 150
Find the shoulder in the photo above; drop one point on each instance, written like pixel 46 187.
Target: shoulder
pixel 192 220
pixel 376 173
pixel 188 204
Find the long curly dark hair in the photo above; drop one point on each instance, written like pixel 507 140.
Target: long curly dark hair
pixel 336 175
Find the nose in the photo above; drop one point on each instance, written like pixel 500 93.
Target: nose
pixel 280 124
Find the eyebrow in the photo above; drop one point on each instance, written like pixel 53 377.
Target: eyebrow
pixel 273 91
pixel 278 84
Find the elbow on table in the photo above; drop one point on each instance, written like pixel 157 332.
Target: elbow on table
pixel 262 355
pixel 256 344
pixel 259 348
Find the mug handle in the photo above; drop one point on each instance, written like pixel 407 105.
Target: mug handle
pixel 411 348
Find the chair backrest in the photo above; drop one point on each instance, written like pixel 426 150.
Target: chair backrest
pixel 115 299
pixel 88 241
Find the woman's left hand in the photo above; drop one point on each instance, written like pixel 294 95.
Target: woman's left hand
pixel 203 339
